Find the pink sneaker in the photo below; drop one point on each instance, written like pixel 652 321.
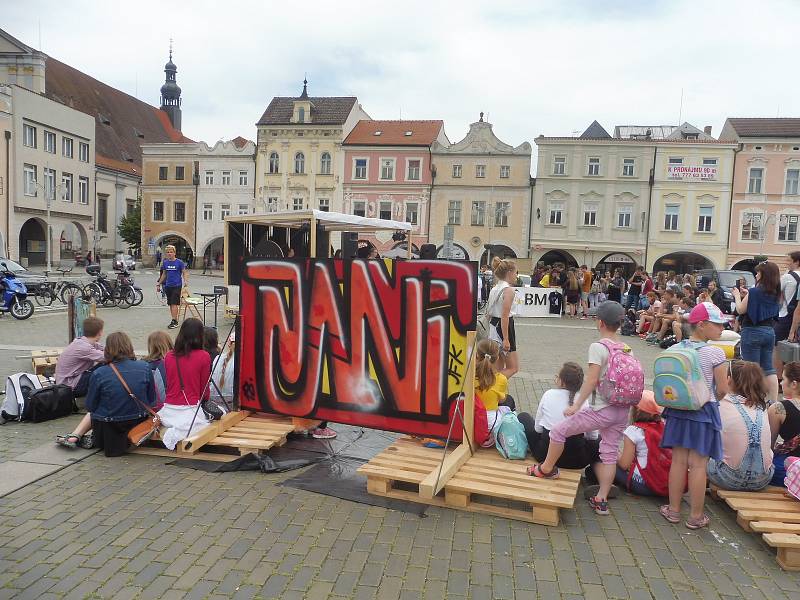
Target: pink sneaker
pixel 325 433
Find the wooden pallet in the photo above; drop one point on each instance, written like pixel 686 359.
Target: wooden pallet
pixel 43 362
pixel 236 434
pixel 477 485
pixel 770 513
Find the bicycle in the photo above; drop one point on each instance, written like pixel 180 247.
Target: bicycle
pixel 47 292
pixel 105 291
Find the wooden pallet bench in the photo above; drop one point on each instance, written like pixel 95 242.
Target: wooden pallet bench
pixel 236 434
pixel 770 513
pixel 485 483
pixel 43 362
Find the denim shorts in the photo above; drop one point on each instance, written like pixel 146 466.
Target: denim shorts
pixel 728 478
pixel 757 345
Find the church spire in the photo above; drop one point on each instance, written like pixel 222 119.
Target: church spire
pixel 171 92
pixel 304 95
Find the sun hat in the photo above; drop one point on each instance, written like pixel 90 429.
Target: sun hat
pixel 611 313
pixel 648 403
pixel 707 311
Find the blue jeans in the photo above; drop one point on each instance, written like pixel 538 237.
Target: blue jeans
pixel 779 475
pixel 632 301
pixel 637 486
pixel 758 344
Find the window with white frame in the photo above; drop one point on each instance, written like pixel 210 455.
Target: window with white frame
pixel 594 166
pixel 274 163
pixel 272 204
pixel 208 212
pixel 555 213
pixel 224 211
pixel 49 142
pixel 66 187
pixel 325 164
pixel 66 146
pixel 671 214
pixel 787 228
pixel 244 209
pixel 49 176
pixel 209 177
pixel 360 169
pixel 412 213
pixel 226 178
pixel 385 210
pixel 709 162
pixel 480 171
pixel 298 204
pixel 755 180
pixel 590 214
pixel 705 217
pixel 505 171
pixel 501 210
pixel 675 160
pixel 751 225
pixel 456 171
pixel 30 179
pixel 413 169
pixel 179 212
pixel 559 165
pixel 792 182
pixel 454 212
pixel 478 213
pixel 299 163
pixel 628 167
pixel 29 136
pixel 360 208
pixel 387 168
pixel 624 215
pixel 158 210
pixel 325 204
pixel 243 177
pixel 83 152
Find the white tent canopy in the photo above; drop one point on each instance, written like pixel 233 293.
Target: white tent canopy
pixel 330 221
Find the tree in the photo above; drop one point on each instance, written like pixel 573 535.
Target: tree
pixel 130 227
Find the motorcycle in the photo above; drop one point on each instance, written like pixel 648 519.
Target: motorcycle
pixel 14 295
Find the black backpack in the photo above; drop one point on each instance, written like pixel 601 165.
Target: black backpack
pixel 49 403
pixel 793 304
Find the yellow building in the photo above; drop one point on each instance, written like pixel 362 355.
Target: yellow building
pixel 482 190
pixel 299 160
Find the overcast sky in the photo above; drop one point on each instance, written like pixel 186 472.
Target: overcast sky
pixel 535 68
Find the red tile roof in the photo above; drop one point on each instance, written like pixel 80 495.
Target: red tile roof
pixel 766 127
pixel 240 142
pixel 132 121
pixel 394 133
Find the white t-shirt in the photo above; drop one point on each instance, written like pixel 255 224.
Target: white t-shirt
pixel 598 355
pixel 494 303
pixel 636 435
pixel 550 411
pixel 788 292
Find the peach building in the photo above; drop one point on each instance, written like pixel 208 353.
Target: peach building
pixel 765 211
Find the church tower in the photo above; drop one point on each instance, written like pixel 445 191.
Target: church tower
pixel 171 93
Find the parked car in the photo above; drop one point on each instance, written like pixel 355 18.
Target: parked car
pixel 725 280
pixel 124 262
pixel 26 276
pixel 523 280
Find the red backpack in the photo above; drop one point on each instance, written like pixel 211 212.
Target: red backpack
pixel 481 422
pixel 656 473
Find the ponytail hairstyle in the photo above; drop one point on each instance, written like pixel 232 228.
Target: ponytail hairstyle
pixel 791 371
pixel 572 281
pixel 501 267
pixel 488 353
pixel 747 379
pixel 571 376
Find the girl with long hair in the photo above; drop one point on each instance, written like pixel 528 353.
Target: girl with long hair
pixel 500 308
pixel 573 293
pixel 784 421
pixel 491 381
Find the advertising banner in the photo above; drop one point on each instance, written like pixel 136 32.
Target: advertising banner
pixel 691 173
pixel 537 302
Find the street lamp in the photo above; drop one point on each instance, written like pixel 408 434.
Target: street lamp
pixel 49 195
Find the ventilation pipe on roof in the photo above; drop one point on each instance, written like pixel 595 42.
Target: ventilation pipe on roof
pixel 707 129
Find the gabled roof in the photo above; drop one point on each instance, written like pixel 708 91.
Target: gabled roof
pixel 325 110
pixel 765 127
pixel 240 142
pixel 394 133
pixel 15 42
pixel 595 131
pixel 130 121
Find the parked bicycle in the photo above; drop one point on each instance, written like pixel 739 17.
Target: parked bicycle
pixel 107 291
pixel 49 291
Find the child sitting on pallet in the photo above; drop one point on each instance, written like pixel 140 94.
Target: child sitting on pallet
pixel 609 420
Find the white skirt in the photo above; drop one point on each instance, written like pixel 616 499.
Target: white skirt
pixel 175 421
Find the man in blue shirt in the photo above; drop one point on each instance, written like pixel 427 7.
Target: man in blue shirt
pixel 174 278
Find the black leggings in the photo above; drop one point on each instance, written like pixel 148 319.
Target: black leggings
pixel 578 451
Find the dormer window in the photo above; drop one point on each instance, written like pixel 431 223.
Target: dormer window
pixel 301 115
pixel 690 136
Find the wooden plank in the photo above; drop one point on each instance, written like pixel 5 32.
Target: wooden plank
pixel 198 440
pixel 163 452
pixel 779 503
pixel 510 493
pixel 240 443
pixel 782 540
pixel 768 515
pixel 774 527
pixel 439 476
pixel 767 493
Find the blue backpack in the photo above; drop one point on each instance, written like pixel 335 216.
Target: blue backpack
pixel 679 381
pixel 510 439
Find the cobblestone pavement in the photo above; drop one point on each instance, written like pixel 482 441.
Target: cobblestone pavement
pixel 135 527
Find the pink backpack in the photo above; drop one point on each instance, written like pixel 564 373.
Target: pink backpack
pixel 624 381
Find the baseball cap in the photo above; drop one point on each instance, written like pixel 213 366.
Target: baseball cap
pixel 611 313
pixel 648 403
pixel 707 311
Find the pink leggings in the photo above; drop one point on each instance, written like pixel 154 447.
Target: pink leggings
pixel 609 421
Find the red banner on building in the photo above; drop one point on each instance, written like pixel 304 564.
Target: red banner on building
pixel 380 344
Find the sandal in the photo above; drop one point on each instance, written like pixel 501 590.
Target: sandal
pixel 536 471
pixel 699 523
pixel 669 514
pixel 87 441
pixel 600 506
pixel 69 440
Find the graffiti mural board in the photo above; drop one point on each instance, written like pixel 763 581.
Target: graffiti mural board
pixel 382 344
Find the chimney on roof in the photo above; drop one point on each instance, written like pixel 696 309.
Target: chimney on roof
pixel 707 129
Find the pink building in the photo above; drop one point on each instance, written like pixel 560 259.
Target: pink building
pixel 765 213
pixel 387 175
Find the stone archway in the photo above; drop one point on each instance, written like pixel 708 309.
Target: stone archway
pixel 617 260
pixel 183 249
pixel 214 252
pixel 748 264
pixel 682 262
pixel 33 242
pixel 558 256
pixel 500 250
